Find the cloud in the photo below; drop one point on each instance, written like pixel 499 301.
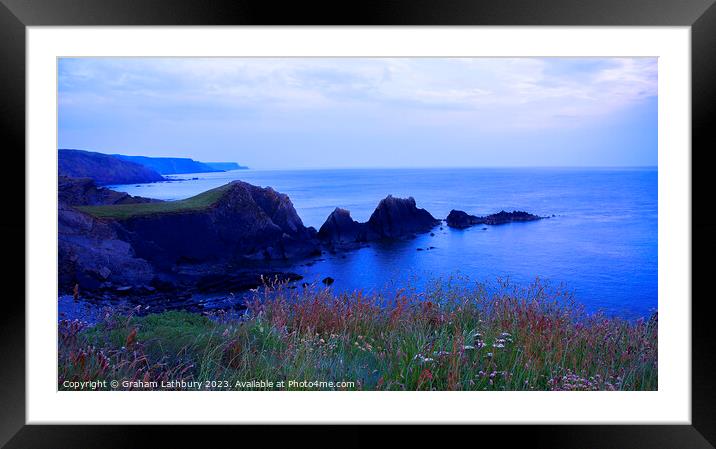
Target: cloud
pixel 551 86
pixel 237 98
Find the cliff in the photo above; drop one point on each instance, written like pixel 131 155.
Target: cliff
pixel 90 251
pixel 235 222
pixel 170 165
pixel 225 166
pixel 103 168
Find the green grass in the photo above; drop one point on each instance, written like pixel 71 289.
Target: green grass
pixel 446 339
pixel 125 211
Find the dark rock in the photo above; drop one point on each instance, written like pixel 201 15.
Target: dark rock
pixel 397 217
pixel 503 217
pixel 432 234
pixel 394 218
pixel 418 249
pixel 459 219
pixel 328 281
pixel 340 229
pixel 91 253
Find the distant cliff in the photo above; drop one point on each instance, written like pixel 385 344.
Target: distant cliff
pixel 103 169
pixel 225 166
pixel 170 165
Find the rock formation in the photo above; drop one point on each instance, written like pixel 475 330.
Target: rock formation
pixel 393 218
pixel 398 217
pixel 459 219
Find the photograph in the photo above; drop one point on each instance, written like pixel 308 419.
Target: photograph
pixel 357 223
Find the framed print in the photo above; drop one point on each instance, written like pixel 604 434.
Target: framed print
pixel 459 215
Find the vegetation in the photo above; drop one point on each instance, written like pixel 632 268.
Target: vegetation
pixel 125 211
pixel 447 339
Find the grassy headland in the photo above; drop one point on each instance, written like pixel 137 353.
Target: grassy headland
pixel 446 339
pixel 125 211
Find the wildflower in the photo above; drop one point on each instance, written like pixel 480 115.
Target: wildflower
pixel 423 359
pixel 468 348
pixel 489 355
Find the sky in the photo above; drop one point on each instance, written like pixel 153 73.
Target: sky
pixel 296 113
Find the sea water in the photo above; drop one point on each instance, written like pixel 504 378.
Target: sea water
pixel 600 242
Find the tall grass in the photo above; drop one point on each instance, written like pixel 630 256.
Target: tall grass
pixel 507 338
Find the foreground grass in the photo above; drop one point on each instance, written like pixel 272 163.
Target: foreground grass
pixel 125 211
pixel 457 339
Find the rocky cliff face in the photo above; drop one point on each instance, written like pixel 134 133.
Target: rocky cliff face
pixel 459 219
pixel 90 251
pixel 246 223
pixel 393 218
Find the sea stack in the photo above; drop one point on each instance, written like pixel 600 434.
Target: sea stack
pixel 393 218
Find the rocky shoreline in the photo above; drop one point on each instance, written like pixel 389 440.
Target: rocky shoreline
pixel 116 247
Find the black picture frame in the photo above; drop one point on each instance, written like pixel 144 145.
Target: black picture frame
pixel 16 15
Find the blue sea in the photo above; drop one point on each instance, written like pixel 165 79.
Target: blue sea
pixel 601 244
